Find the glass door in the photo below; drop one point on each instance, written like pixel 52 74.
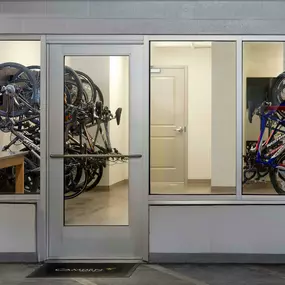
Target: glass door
pixel 96 204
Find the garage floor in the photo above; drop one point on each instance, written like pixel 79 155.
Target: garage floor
pixel 110 207
pixel 203 274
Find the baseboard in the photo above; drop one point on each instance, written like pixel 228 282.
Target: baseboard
pixel 23 257
pixel 223 189
pixel 216 258
pixel 257 185
pixel 202 181
pixel 110 187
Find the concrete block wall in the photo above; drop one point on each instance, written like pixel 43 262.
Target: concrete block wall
pixel 142 17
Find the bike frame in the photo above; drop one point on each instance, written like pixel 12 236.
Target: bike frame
pixel 260 146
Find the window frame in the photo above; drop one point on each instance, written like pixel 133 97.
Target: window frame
pixel 208 199
pixel 32 198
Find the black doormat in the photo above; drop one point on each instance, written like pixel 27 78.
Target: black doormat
pixel 84 270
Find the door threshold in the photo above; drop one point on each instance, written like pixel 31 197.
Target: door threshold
pixel 86 260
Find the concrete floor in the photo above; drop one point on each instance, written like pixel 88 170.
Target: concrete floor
pixel 99 207
pixel 203 274
pixel 110 207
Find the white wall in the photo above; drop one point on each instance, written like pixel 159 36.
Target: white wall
pixel 217 229
pixel 259 60
pixel 223 114
pixel 23 52
pixel 119 97
pixel 198 63
pixel 18 230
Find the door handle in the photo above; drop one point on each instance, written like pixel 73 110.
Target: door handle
pixel 96 155
pixel 179 129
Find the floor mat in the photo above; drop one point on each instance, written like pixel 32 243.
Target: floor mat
pixel 84 270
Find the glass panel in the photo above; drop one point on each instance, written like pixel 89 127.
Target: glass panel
pixel 193 117
pixel 263 143
pixel 20 117
pixel 96 122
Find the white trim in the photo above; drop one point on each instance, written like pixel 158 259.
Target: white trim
pixel 92 39
pixel 239 118
pixel 19 198
pixel 42 205
pixel 261 38
pixel 146 142
pixel 272 199
pixel 213 202
pixel 19 37
pixel 189 197
pixel 256 38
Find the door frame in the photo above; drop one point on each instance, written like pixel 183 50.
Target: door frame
pixel 43 229
pixel 185 141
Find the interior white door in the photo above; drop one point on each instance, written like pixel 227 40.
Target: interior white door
pixel 168 151
pixel 98 224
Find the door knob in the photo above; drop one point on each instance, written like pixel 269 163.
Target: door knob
pixel 179 129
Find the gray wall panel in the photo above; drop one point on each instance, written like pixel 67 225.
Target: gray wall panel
pixel 136 10
pixel 128 26
pixel 143 17
pixel 68 8
pixel 23 7
pixel 247 229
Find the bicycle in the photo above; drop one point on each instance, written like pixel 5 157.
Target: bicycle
pixel 264 157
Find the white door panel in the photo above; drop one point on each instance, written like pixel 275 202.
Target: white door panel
pixel 167 125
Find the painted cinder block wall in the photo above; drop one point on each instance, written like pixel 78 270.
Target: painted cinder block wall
pixel 142 17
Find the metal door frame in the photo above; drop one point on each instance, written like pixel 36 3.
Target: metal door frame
pixel 110 41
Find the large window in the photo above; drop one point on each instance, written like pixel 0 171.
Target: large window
pixel 20 117
pixel 263 118
pixel 193 117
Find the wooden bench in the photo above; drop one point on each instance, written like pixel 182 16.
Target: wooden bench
pixel 8 159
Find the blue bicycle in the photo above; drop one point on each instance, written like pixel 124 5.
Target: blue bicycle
pixel 268 156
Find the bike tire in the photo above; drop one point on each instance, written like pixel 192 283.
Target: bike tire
pixel 78 189
pixel 80 185
pixel 97 94
pixel 31 78
pixel 74 77
pixel 98 170
pixel 273 179
pixel 94 182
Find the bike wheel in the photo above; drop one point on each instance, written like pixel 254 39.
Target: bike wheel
pixel 26 89
pixel 95 175
pixel 73 84
pixel 277 176
pixel 92 90
pixel 76 175
pixel 73 186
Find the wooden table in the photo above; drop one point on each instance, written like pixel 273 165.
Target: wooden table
pixel 8 159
